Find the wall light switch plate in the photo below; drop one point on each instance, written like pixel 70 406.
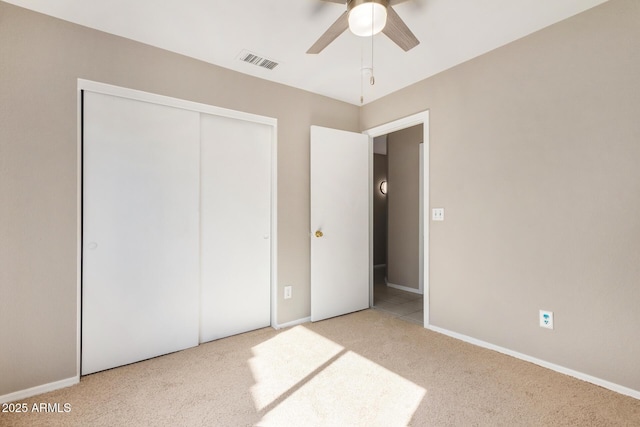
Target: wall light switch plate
pixel 546 319
pixel 437 214
pixel 287 292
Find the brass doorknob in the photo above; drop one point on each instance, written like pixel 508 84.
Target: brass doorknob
pixel 319 233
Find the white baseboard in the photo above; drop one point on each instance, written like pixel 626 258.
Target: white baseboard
pixel 403 288
pixel 561 369
pixel 23 394
pixel 293 323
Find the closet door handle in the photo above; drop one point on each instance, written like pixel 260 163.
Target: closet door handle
pixel 319 234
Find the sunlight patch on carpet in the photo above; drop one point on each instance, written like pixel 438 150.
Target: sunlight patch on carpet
pixel 285 360
pixel 303 378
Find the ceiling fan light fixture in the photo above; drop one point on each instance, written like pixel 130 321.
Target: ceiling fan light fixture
pixel 367 17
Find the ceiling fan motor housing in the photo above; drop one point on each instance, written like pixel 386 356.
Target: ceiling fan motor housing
pixel 367 17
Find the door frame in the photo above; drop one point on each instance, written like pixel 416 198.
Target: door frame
pixel 384 129
pixel 107 89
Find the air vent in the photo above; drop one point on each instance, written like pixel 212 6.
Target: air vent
pixel 258 60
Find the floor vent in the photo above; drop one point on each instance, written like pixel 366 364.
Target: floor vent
pixel 258 60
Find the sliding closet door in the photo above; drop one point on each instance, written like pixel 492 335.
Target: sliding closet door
pixel 140 268
pixel 235 226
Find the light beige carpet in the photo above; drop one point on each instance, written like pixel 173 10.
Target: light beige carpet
pixel 363 369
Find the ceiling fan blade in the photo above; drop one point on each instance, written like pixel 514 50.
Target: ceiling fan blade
pixel 398 31
pixel 319 5
pixel 413 4
pixel 337 28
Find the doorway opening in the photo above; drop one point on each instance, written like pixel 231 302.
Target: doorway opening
pixel 399 229
pixel 397 288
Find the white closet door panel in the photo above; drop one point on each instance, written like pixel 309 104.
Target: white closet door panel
pixel 140 231
pixel 235 226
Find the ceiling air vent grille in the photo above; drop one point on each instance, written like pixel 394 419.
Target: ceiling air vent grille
pixel 258 60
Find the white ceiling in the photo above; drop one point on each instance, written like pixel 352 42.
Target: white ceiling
pixel 216 31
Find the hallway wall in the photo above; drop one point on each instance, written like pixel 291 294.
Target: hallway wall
pixel 379 210
pixel 403 237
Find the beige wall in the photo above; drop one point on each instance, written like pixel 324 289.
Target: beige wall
pixel 379 210
pixel 41 59
pixel 535 154
pixel 403 232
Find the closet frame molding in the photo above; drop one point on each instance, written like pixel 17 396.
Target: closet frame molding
pixel 138 95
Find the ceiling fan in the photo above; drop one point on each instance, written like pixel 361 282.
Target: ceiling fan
pixel 366 18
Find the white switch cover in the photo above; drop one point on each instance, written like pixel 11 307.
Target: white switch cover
pixel 546 319
pixel 437 214
pixel 287 292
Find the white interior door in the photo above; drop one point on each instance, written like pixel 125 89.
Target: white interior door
pixel 339 222
pixel 140 272
pixel 235 226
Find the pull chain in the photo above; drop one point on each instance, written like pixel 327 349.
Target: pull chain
pixel 372 79
pixel 362 74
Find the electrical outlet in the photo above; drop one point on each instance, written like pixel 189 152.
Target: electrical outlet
pixel 287 292
pixel 437 214
pixel 546 319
